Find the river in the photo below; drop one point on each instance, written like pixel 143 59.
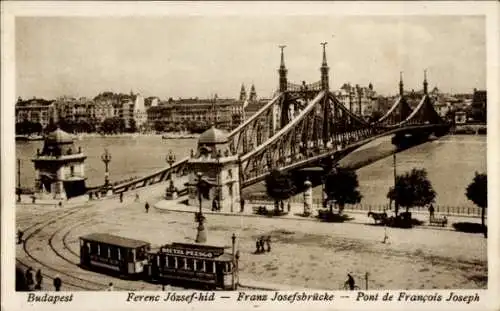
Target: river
pixel 450 162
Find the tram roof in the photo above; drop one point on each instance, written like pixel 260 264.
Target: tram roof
pixel 114 240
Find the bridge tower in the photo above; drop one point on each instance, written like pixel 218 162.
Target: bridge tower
pixel 281 111
pixel 243 93
pixel 401 86
pixel 282 71
pixel 425 82
pixel 219 170
pixel 60 168
pixel 253 94
pixel 324 69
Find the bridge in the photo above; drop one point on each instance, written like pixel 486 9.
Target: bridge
pixel 305 125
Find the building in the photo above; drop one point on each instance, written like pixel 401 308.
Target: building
pixel 60 168
pixel 36 111
pixel 193 112
pixel 214 173
pixel 358 99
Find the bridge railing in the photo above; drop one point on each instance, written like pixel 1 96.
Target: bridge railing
pixel 448 210
pixel 161 175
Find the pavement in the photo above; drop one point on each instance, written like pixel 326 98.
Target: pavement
pixel 360 217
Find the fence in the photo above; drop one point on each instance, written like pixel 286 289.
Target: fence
pixel 438 209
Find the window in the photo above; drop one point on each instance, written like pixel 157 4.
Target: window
pixel 230 174
pixel 209 265
pixel 72 170
pixel 189 264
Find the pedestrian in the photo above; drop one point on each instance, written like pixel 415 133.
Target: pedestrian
pixel 257 246
pixel 137 197
pixel 261 242
pixel 268 243
pixel 282 206
pixel 30 279
pixel 19 237
pixel 121 197
pixel 57 284
pixel 33 199
pixel 60 204
pixel 110 287
pixel 90 196
pixel 350 281
pixel 242 205
pixel 39 279
pixel 431 211
pixel 214 205
pixel 289 206
pixel 147 207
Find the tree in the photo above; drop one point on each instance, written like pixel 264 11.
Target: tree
pixel 341 186
pixel 477 192
pixel 279 186
pixel 412 189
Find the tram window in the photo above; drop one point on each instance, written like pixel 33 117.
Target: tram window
pixel 104 250
pixel 163 260
pixel 170 262
pixel 141 254
pixel 93 248
pixel 130 255
pixel 209 266
pixel 113 252
pixel 189 264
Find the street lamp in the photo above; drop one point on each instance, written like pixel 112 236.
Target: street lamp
pixel 201 235
pixel 106 158
pixel 395 176
pixel 233 239
pixel 170 158
pixel 18 180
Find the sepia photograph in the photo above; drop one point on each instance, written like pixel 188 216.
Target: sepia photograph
pixel 248 158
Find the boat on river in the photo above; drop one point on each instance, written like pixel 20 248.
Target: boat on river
pixel 29 137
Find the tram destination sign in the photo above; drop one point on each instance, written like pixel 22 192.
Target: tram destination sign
pixel 205 252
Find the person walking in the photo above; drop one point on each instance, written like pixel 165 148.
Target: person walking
pixel 39 279
pixel 137 197
pixel 268 243
pixel 146 206
pixel 431 211
pixel 19 236
pixel 350 281
pixel 30 279
pixel 121 197
pixel 57 284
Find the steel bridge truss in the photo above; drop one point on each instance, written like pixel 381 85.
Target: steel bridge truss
pixel 323 128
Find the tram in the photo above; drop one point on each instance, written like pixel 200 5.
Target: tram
pixel 114 253
pixel 194 263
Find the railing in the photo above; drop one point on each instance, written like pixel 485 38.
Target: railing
pixel 438 209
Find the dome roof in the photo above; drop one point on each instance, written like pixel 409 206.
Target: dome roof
pixel 213 136
pixel 59 136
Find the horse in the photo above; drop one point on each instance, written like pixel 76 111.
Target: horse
pixel 378 217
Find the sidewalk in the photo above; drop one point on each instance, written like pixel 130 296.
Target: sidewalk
pixel 360 217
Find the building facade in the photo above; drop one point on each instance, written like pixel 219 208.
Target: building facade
pixel 36 111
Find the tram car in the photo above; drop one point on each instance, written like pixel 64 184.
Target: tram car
pixel 205 265
pixel 124 256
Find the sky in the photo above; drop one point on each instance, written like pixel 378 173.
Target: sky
pixel 198 56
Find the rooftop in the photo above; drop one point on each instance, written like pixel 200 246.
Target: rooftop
pixel 59 136
pixel 213 136
pixel 114 240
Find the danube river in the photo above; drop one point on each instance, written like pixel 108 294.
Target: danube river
pixel 450 162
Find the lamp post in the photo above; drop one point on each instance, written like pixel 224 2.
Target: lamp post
pixel 170 158
pixel 106 158
pixel 201 235
pixel 18 180
pixel 395 176
pixel 233 239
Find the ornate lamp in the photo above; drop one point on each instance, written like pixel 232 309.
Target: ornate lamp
pixel 201 235
pixel 106 158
